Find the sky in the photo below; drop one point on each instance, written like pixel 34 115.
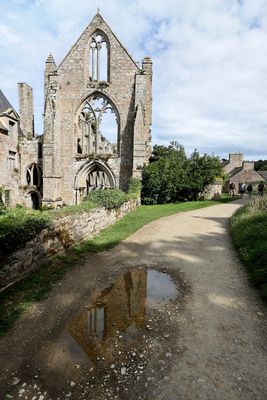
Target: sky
pixel 209 62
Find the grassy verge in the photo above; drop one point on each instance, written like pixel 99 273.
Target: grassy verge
pixel 133 221
pixel 19 297
pixel 249 233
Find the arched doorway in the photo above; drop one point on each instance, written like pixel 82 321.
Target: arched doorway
pixel 94 175
pixel 96 179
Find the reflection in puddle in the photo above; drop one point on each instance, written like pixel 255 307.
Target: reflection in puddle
pixel 124 307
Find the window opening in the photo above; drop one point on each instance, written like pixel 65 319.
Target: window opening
pixel 11 127
pixel 98 127
pixel 7 197
pixel 33 175
pixel 98 60
pixel 11 160
pixel 40 150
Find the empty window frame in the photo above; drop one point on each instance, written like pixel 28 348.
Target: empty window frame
pixel 99 58
pixel 11 160
pixel 99 127
pixel 33 175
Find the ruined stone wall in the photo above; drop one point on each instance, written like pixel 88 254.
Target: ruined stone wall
pixel 68 86
pixel 63 233
pixel 26 109
pixel 29 154
pixel 212 191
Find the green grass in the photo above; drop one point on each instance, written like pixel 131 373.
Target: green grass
pixel 22 295
pixel 249 233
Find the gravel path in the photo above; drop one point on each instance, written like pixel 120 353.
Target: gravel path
pixel 215 344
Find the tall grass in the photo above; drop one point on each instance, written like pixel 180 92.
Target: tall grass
pixel 249 232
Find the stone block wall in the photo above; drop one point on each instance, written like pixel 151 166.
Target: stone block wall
pixel 63 233
pixel 26 109
pixel 213 191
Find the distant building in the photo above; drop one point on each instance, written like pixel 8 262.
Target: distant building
pixel 240 171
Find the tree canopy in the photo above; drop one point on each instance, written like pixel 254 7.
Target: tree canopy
pixel 260 165
pixel 171 176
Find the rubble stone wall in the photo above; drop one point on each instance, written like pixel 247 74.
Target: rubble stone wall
pixel 63 233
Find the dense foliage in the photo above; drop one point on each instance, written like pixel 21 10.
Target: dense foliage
pixel 108 198
pixel 19 226
pixel 260 165
pixel 172 176
pixel 134 187
pixel 249 232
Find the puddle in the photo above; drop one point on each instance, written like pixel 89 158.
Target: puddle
pixel 124 307
pixel 123 342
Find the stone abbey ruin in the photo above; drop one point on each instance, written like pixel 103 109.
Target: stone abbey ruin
pixel 97 118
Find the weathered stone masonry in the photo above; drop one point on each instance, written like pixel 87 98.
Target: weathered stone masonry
pixel 77 157
pixel 97 82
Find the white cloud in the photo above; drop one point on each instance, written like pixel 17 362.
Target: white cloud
pixel 210 62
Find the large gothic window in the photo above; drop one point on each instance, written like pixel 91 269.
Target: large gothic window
pixel 98 57
pixel 98 127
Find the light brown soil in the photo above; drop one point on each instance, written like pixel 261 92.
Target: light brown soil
pixel 214 346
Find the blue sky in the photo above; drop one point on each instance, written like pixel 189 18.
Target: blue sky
pixel 210 62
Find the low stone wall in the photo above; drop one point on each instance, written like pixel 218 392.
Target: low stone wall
pixel 61 234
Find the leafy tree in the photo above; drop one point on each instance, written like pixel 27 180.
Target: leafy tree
pixel 260 165
pixel 172 176
pixel 160 177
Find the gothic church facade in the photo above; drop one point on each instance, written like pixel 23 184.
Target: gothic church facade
pixel 97 119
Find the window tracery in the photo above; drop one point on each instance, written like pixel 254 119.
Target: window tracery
pixel 33 175
pixel 98 57
pixel 98 123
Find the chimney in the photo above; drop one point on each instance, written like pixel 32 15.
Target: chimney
pixel 236 159
pixel 26 109
pixel 248 165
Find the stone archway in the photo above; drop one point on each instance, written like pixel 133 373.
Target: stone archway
pixel 95 175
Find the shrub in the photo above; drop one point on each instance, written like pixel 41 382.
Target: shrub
pixel 19 226
pixel 109 198
pixel 3 209
pixel 134 186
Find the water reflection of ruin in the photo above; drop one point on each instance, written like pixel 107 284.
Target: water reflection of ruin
pixel 121 306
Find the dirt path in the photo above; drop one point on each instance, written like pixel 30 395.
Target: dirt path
pixel 208 343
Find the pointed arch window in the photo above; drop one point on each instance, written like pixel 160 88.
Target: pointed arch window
pixel 99 58
pixel 98 127
pixel 34 175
